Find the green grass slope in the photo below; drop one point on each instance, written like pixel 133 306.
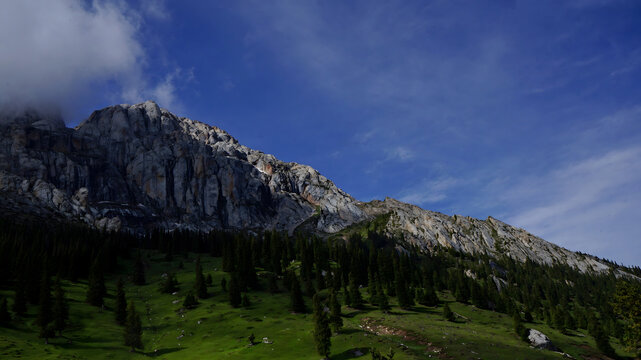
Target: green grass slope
pixel 215 330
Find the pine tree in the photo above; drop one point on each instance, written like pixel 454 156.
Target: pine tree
pixel 120 308
pixel 519 329
pixel 96 290
pixel 60 308
pixel 402 293
pixel 200 287
pixel 447 313
pixel 234 291
pixel 355 294
pixel 133 328
pixel 44 311
pixel 190 301
pixel 5 317
pixel 335 319
pixel 245 301
pixel 322 333
pixel 169 284
pixel 223 284
pixel 297 303
pixel 19 300
pixel 139 271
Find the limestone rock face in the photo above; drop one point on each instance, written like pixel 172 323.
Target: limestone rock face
pixel 150 168
pixel 140 167
pixel 428 229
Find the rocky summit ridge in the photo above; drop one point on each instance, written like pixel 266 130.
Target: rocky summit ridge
pixel 140 167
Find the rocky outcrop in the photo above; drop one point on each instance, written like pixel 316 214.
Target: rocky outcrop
pixel 540 341
pixel 151 168
pixel 428 229
pixel 139 167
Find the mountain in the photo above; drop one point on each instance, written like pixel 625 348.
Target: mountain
pixel 140 167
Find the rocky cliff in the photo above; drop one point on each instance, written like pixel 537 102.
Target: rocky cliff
pixel 139 167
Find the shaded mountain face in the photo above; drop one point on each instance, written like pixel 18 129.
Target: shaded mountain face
pixel 140 167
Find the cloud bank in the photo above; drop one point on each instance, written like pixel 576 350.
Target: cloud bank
pixel 54 54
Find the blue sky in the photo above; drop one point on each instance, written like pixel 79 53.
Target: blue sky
pixel 528 111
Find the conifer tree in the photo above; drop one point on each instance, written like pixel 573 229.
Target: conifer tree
pixel 245 301
pixel 190 301
pixel 209 280
pixel 447 313
pixel 297 303
pixel 356 300
pixel 223 284
pixel 60 308
pixel 19 300
pixel 519 329
pixel 44 310
pixel 133 328
pixel 322 333
pixel 335 319
pixel 199 286
pixel 234 291
pixel 169 284
pixel 402 293
pixel 96 290
pixel 120 308
pixel 5 317
pixel 139 271
pixel 348 298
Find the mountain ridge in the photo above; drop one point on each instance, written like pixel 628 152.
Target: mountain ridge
pixel 138 167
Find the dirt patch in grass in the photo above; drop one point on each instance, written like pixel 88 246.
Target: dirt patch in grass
pixel 375 327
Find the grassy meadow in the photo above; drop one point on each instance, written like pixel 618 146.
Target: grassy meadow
pixel 215 330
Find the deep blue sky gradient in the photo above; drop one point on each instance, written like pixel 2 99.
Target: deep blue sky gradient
pixel 528 111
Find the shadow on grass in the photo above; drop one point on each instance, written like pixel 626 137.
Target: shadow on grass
pixel 161 352
pixel 350 331
pixel 349 354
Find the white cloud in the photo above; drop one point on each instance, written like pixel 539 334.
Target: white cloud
pixel 429 191
pixel 591 205
pixel 156 9
pixel 399 153
pixel 54 53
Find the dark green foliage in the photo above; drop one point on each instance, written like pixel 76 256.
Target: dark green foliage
pixel 60 308
pixel 447 313
pixel 251 338
pixel 234 291
pixel 355 297
pixel 209 280
pixel 527 317
pixel 428 297
pixel 45 315
pixel 139 271
pixel 335 315
pixel 519 329
pixel 627 305
pixel 309 288
pixel 96 290
pixel 133 328
pixel 5 317
pixel 376 355
pixel 19 300
pixel 169 284
pixel 223 284
pixel 190 301
pixel 601 339
pixel 245 301
pixel 120 307
pixel 273 285
pixel 402 293
pixel 199 286
pixel 322 333
pixel 297 304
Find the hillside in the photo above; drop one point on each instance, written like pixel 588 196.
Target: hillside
pixel 140 167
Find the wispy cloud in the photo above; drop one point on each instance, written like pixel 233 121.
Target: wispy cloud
pixel 429 191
